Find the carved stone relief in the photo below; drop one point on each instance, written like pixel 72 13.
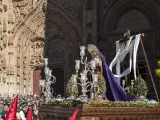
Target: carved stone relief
pixel 22 8
pixel 2 63
pixel 36 52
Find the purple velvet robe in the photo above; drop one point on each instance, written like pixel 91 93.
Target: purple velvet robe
pixel 114 90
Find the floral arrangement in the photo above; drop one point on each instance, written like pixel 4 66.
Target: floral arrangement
pixel 125 104
pixel 75 103
pixel 72 90
pixel 101 85
pixel 138 89
pixel 65 103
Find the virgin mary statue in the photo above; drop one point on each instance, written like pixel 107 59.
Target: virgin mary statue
pixel 114 90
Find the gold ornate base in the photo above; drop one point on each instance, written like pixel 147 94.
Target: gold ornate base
pixel 86 112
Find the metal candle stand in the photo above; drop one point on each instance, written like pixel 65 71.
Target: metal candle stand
pixel 46 84
pixel 86 84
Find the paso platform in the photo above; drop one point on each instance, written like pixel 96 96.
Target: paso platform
pixel 87 112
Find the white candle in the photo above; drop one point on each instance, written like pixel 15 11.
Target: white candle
pixel 45 61
pixel 50 72
pixel 46 70
pixel 132 83
pixel 83 77
pixel 77 66
pixel 123 82
pixel 82 51
pixel 74 79
pixel 93 65
pixel 95 78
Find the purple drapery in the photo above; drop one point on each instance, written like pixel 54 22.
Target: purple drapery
pixel 114 90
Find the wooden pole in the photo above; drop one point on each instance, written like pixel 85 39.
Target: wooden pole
pixel 155 90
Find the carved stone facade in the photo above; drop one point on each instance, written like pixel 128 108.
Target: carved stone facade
pixel 24 27
pixel 22 44
pixel 33 29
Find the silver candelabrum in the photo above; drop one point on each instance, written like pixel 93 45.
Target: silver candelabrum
pixel 86 84
pixel 46 84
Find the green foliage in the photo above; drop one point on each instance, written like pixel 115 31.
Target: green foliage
pixel 102 84
pixel 75 103
pixel 158 70
pixel 139 88
pixel 65 103
pixel 124 104
pixel 72 90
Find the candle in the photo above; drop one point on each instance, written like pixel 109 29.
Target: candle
pixel 45 61
pixel 74 79
pixel 95 78
pixel 93 65
pixel 82 51
pixel 46 70
pixel 132 83
pixel 83 77
pixel 123 82
pixel 50 73
pixel 77 66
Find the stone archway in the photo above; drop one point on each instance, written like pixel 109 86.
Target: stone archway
pixel 63 37
pixel 29 44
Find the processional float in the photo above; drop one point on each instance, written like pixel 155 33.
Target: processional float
pixel 127 46
pixel 93 79
pixel 45 85
pixel 90 78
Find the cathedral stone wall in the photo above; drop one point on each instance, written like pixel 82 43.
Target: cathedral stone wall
pixel 21 44
pixel 32 29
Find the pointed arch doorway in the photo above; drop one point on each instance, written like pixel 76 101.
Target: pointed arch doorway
pixel 38 74
pixel 58 87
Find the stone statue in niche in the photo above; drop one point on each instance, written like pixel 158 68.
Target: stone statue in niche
pixel 4 26
pixel 25 62
pixel 2 62
pixel 36 52
pixel 18 62
pixel 22 8
pixel 4 41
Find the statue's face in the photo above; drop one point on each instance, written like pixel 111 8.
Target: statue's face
pixel 92 49
pixel 93 53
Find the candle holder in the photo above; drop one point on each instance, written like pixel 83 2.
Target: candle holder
pixel 87 85
pixel 123 83
pixel 46 84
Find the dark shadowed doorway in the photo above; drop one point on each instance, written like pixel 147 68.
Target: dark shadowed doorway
pixel 59 85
